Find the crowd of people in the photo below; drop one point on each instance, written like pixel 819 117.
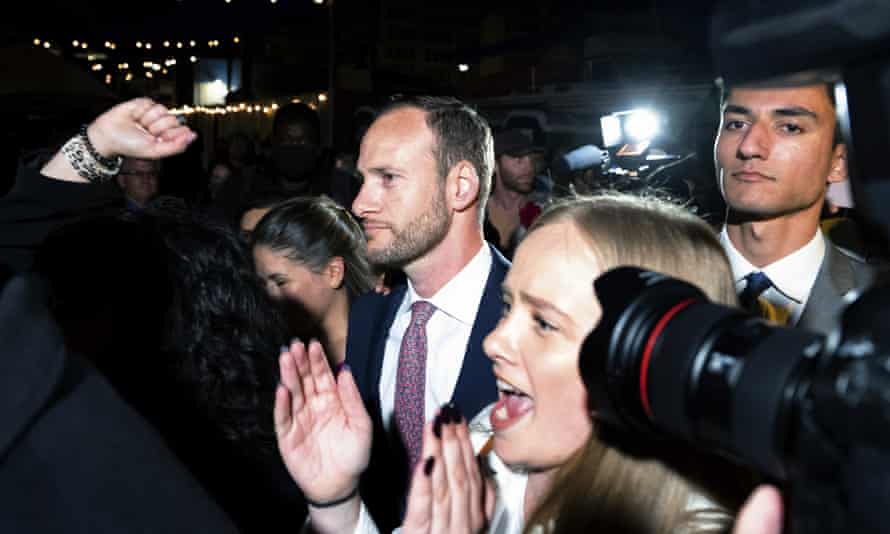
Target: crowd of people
pixel 339 350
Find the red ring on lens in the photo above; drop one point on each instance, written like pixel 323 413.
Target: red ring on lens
pixel 647 352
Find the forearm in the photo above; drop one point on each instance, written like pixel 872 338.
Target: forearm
pixel 60 168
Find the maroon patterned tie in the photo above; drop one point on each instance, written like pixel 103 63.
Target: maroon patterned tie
pixel 411 381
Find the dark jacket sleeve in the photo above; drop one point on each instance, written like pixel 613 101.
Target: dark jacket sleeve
pixel 73 456
pixel 37 205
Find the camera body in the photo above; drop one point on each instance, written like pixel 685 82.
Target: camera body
pixel 803 409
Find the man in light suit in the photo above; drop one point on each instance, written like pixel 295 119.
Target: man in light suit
pixel 427 164
pixel 777 152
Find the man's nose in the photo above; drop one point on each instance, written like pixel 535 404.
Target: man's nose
pixel 755 143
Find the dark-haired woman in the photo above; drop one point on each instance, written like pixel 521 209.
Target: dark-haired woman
pixel 310 253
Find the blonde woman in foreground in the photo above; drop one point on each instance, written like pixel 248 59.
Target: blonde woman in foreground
pixel 550 472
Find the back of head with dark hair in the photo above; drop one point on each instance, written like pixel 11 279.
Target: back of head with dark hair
pixel 461 135
pixel 313 230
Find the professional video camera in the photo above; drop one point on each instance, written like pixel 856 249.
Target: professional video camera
pixel 636 156
pixel 810 411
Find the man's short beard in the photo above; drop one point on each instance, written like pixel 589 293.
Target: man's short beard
pixel 417 237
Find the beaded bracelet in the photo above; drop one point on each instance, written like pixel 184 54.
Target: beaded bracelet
pixel 79 157
pixel 105 162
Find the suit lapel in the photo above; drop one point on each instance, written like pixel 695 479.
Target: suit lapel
pixel 835 278
pixel 380 333
pixel 475 387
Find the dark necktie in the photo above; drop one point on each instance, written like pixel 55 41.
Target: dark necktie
pixel 411 381
pixel 757 283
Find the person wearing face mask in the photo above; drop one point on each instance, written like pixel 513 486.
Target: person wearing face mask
pixel 295 163
pixel 551 471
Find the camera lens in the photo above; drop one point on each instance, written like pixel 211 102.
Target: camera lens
pixel 665 360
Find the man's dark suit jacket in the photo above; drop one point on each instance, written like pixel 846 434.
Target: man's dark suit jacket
pixel 73 456
pixel 384 485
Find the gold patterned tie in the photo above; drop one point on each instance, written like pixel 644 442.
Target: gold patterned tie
pixel 773 313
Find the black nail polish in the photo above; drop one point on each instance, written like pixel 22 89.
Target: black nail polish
pixel 437 424
pixel 428 465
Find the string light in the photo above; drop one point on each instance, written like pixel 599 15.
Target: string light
pixel 138 44
pixel 148 46
pixel 192 44
pixel 179 44
pixel 193 59
pixel 84 45
pixel 36 42
pixel 166 44
pixel 75 43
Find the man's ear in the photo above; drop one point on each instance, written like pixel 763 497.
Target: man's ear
pixel 462 186
pixel 838 172
pixel 334 272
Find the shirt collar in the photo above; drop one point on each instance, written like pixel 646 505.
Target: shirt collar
pixel 459 298
pixel 793 275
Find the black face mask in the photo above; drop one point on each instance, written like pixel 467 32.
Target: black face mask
pixel 294 162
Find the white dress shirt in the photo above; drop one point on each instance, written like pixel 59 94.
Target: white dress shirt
pixel 448 332
pixel 793 276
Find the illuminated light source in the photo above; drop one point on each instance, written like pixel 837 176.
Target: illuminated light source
pixel 107 44
pixel 97 67
pixel 193 59
pixel 463 67
pixel 641 125
pixel 155 67
pixel 318 2
pixel 149 75
pixel 164 71
pixel 84 45
pixel 138 44
pixel 192 44
pixel 148 46
pixel 108 78
pixel 242 105
pixel 275 105
pixel 75 43
pixel 166 44
pixel 214 91
pixel 322 97
pixel 46 44
pixel 296 100
pixel 36 42
pixel 635 126
pixel 129 76
pixel 179 44
pixel 236 39
pixel 146 64
pixel 274 1
pixel 91 57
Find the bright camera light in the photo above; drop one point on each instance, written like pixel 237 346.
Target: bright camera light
pixel 641 125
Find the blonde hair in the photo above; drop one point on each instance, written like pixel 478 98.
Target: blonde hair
pixel 602 488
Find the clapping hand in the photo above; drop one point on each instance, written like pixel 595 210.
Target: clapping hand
pixel 323 430
pixel 448 491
